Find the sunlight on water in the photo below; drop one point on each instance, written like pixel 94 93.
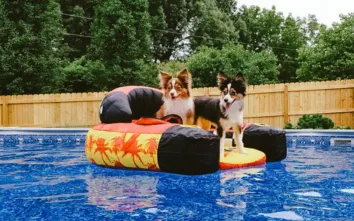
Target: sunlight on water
pixel 348 190
pixel 287 215
pixel 314 194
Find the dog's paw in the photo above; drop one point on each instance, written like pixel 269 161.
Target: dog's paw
pixel 243 152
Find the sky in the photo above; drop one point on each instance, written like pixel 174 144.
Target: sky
pixel 326 11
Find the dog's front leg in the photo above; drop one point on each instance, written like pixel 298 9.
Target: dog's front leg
pixel 222 134
pixel 233 140
pixel 238 137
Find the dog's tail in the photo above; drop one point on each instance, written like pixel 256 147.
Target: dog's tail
pixel 203 123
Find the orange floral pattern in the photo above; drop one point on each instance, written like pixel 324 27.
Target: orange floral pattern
pixel 122 150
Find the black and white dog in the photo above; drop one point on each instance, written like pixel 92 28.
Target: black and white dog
pixel 225 112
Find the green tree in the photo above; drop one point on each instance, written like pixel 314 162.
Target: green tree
pixel 213 27
pixel 332 55
pixel 169 20
pixel 80 76
pixel 176 22
pixel 258 67
pixel 261 29
pixel 171 66
pixel 310 28
pixel 30 46
pixel 121 41
pixel 227 6
pixel 286 50
pixel 76 16
pixel 162 40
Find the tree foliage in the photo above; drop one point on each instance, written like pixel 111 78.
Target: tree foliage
pixel 332 55
pixel 121 41
pixel 258 67
pixel 212 28
pixel 76 20
pixel 263 29
pixel 81 46
pixel 30 46
pixel 310 28
pixel 169 20
pixel 259 28
pixel 184 25
pixel 171 66
pixel 83 75
pixel 286 49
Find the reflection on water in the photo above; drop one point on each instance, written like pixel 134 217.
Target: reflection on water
pixel 228 179
pixel 131 192
pixel 123 193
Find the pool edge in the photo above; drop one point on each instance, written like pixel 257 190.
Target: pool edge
pixel 85 129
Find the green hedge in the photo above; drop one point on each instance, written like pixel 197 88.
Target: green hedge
pixel 314 121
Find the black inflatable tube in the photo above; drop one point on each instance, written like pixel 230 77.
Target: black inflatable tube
pixel 189 151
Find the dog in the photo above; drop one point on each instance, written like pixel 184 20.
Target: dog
pixel 177 96
pixel 224 112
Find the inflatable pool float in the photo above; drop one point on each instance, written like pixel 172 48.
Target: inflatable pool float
pixel 153 144
pixel 130 137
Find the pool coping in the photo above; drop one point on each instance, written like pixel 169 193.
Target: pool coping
pixel 319 132
pixel 85 130
pixel 41 129
pixel 23 135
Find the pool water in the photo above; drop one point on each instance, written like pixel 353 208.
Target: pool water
pixel 56 182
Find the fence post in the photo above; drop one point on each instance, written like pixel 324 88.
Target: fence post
pixel 286 104
pixel 207 91
pixel 5 113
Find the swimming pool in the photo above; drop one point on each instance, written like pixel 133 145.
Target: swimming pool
pixel 44 175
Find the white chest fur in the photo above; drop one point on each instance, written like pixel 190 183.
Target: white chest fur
pixel 234 114
pixel 179 107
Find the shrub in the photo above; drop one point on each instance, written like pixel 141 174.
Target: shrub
pixel 289 126
pixel 342 127
pixel 315 121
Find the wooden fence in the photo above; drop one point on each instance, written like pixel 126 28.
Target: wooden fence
pixel 274 104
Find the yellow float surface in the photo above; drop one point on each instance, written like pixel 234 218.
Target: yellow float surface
pixel 122 150
pixel 233 159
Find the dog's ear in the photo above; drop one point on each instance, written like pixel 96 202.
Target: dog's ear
pixel 185 77
pixel 164 78
pixel 242 83
pixel 221 78
pixel 239 76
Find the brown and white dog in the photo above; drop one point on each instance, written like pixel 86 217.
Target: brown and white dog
pixel 226 111
pixel 177 96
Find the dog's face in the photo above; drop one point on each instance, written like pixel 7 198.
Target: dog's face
pixel 176 87
pixel 231 89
